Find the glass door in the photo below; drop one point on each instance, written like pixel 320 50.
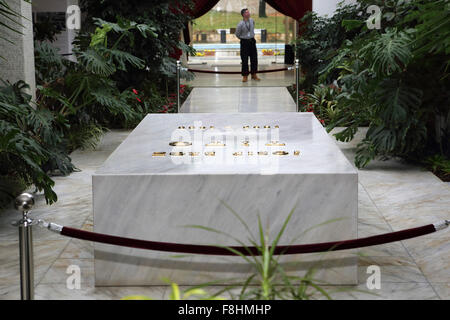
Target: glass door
pixel 214 37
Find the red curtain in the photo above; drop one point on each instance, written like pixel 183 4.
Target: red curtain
pixel 200 8
pixel 292 8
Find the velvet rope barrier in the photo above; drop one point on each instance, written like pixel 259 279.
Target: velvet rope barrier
pixel 235 72
pixel 248 251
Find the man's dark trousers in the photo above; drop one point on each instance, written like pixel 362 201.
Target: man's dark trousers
pixel 248 49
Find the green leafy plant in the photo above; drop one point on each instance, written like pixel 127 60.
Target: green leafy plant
pixel 30 141
pixel 83 92
pixel 46 28
pixel 268 280
pixel 177 294
pixel 394 80
pixel 439 165
pixel 50 65
pixel 433 28
pixel 165 19
pixel 84 136
pixel 77 101
pixel 321 38
pixel 103 60
pixel 373 80
pixel 323 102
pixel 272 282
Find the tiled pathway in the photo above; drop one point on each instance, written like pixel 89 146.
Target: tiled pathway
pixel 392 196
pixel 239 99
pixel 272 79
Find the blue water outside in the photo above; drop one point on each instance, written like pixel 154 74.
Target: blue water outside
pixel 231 46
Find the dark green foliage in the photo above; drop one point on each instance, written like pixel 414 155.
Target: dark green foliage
pixel 31 141
pixel 395 80
pixel 96 91
pixel 321 37
pixel 84 93
pixel 49 63
pixel 165 22
pixel 322 102
pixel 47 28
pixel 121 49
pixel 439 165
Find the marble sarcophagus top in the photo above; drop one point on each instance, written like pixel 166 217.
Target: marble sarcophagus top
pixel 176 171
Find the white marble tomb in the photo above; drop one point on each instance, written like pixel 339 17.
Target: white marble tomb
pixel 141 193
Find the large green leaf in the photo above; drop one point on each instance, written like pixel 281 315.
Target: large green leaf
pixel 389 53
pixel 96 63
pixel 397 101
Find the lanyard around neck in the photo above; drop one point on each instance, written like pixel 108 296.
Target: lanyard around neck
pixel 247 25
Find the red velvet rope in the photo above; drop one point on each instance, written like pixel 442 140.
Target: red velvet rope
pixel 249 251
pixel 235 72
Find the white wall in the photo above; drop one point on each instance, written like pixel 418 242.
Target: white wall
pixel 327 7
pixel 19 63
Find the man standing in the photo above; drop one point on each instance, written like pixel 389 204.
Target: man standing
pixel 245 31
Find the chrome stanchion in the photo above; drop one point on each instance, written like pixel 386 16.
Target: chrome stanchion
pixel 179 69
pixel 297 80
pixel 178 84
pixel 24 203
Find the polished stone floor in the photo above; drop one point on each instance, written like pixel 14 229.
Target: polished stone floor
pixel 272 79
pixel 239 99
pixel 392 196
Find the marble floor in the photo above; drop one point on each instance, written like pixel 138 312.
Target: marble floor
pixel 392 196
pixel 272 79
pixel 239 99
